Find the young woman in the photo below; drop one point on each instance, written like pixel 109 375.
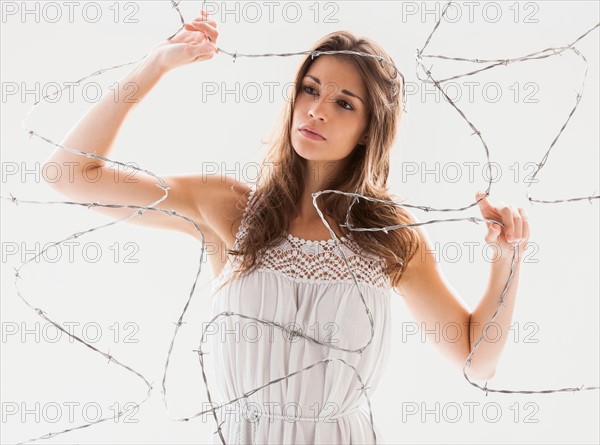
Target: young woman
pixel 325 282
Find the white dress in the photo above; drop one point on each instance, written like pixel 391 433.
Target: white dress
pixel 304 286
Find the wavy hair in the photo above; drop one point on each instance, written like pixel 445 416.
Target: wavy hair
pixel 279 192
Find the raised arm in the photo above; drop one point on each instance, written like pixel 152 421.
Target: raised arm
pixel 90 180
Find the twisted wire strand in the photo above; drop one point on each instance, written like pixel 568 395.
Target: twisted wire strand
pixel 550 52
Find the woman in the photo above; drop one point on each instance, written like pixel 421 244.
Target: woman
pixel 308 276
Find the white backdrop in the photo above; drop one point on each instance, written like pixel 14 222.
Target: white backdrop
pixel 128 299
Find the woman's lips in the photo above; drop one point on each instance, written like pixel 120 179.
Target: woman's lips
pixel 311 135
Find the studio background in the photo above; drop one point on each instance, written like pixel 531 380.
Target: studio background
pixel 136 290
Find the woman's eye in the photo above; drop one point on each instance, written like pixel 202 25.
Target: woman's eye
pixel 342 103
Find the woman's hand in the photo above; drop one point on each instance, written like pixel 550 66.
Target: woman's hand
pixel 195 42
pixel 515 230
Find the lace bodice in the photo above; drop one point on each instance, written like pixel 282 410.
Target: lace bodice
pixel 318 261
pixel 310 261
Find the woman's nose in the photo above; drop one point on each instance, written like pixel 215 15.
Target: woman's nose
pixel 317 110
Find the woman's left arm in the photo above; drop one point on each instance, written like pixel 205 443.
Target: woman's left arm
pixel 437 307
pixel 514 234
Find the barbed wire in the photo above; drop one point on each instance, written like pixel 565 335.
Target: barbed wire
pixel 550 52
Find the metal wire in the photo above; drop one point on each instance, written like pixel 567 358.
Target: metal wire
pixel 550 52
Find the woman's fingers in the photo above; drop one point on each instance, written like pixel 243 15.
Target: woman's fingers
pixel 515 221
pixel 488 211
pixel 197 24
pixel 525 220
pixel 208 28
pixel 517 224
pixel 204 20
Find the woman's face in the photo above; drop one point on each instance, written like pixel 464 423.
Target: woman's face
pixel 333 101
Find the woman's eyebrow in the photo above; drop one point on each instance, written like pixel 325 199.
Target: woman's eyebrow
pixel 346 92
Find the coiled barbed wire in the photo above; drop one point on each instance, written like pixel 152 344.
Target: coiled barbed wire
pixel 550 52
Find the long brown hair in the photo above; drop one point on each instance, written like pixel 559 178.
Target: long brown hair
pixel 279 192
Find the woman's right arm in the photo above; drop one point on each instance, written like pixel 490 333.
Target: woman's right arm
pixel 90 180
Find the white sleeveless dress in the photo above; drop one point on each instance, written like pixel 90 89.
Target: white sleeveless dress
pixel 305 287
